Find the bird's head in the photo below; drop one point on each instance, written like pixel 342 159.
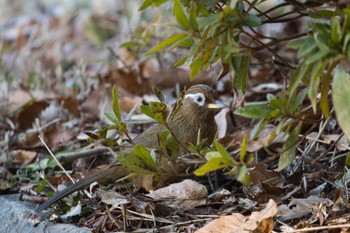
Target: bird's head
pixel 202 98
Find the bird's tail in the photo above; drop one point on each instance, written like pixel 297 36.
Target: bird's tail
pixel 107 172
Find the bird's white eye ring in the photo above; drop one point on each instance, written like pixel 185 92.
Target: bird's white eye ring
pixel 198 98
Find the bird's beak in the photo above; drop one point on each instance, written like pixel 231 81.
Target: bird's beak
pixel 217 105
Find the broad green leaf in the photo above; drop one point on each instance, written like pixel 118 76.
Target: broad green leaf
pixel 209 20
pixel 323 41
pixel 346 42
pixel 341 97
pixel 159 94
pixel 255 111
pixel 130 44
pixel 317 56
pixel 289 149
pixel 193 18
pixel 216 160
pixel 243 175
pixel 115 103
pixel 257 128
pixel 160 111
pixel 293 104
pixel 327 14
pixel 298 74
pixel 134 163
pixel 307 48
pixel 111 116
pixel 165 43
pixel 146 4
pixel 335 29
pixel 240 65
pixel 147 110
pixel 251 21
pixel 315 82
pixel 224 153
pixel 181 15
pixel 196 66
pixel 298 43
pixel 243 151
pixel 145 155
pixel 274 102
pixel 324 91
pixel 181 61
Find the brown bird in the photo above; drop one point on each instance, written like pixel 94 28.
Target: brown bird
pixel 196 115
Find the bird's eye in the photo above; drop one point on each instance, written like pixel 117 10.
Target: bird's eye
pixel 198 98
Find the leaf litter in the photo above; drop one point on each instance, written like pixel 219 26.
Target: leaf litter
pixel 59 78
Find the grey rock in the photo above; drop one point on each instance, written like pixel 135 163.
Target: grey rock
pixel 14 216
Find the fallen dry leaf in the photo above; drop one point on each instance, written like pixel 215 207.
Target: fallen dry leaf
pixel 186 194
pixel 300 207
pixel 261 221
pixel 23 157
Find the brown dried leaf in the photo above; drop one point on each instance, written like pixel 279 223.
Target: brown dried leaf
pixel 299 207
pixel 29 112
pixel 261 221
pixel 186 194
pixel 23 157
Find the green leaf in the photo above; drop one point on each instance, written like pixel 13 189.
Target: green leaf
pixel 341 97
pixel 335 29
pixel 308 47
pixel 251 21
pixel 314 83
pixel 111 117
pixel 257 128
pixel 193 18
pixel 181 61
pixel 115 103
pixel 255 111
pixel 274 102
pixel 160 111
pixel 289 149
pixel 327 14
pixel 165 43
pixel 298 74
pixel 209 20
pixel 243 176
pixel 216 160
pixel 240 64
pixel 145 155
pixel 317 56
pixel 181 15
pixel 146 4
pixel 159 94
pixel 196 67
pixel 147 110
pixel 134 163
pixel 326 80
pixel 293 104
pixel 243 151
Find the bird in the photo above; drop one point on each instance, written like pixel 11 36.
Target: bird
pixel 197 114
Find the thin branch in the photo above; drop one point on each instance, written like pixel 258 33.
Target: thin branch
pixel 268 48
pixel 272 9
pixel 272 43
pixel 284 20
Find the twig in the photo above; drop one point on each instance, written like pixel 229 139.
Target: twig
pixel 54 157
pixel 82 154
pixel 320 228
